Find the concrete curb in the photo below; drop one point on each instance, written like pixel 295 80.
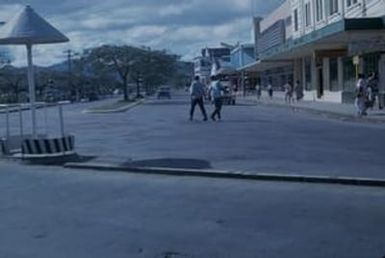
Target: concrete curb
pixel 116 110
pixel 14 110
pixel 353 181
pixel 324 112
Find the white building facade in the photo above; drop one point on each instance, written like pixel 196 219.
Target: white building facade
pixel 323 44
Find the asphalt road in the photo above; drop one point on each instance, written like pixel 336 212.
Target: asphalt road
pixel 53 212
pixel 56 212
pixel 249 138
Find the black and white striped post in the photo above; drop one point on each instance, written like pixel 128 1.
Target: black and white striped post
pixel 45 148
pixel 64 145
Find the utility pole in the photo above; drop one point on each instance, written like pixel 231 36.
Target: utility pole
pixel 70 54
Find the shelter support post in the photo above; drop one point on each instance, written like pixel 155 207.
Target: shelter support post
pixel 31 84
pixel 61 120
pixel 8 131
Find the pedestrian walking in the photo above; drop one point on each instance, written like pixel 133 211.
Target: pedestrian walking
pixel 370 97
pixel 288 92
pixel 298 89
pixel 216 89
pixel 197 92
pixel 270 90
pixel 373 92
pixel 258 89
pixel 361 95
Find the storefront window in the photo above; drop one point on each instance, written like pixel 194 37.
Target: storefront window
pixel 333 7
pixel 334 74
pixel 308 84
pixel 349 74
pixel 370 64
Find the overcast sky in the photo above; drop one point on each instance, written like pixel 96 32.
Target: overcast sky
pixel 180 26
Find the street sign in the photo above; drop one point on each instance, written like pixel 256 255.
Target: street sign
pixel 356 60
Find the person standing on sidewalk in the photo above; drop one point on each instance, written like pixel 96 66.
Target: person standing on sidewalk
pixel 216 89
pixel 288 92
pixel 361 95
pixel 298 90
pixel 373 85
pixel 270 90
pixel 197 92
pixel 258 90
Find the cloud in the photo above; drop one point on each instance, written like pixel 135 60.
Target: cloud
pixel 181 26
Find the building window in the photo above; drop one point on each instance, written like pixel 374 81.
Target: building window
pixel 307 14
pixel 371 63
pixel 351 2
pixel 288 21
pixel 333 70
pixel 319 10
pixel 349 75
pixel 333 7
pixel 308 75
pixel 296 20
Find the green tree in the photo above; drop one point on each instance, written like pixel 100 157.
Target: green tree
pixel 118 59
pixel 12 84
pixel 140 66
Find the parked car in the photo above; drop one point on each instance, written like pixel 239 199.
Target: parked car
pixel 164 92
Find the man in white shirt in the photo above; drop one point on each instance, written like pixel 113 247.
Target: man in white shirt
pixel 197 92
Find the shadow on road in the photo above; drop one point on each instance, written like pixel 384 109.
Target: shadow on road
pixel 170 163
pixel 167 102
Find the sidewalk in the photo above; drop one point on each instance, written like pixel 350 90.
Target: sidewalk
pixel 335 110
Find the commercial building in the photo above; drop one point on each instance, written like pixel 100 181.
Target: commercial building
pixel 241 56
pixel 323 44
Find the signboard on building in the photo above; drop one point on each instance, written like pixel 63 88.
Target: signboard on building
pixel 366 46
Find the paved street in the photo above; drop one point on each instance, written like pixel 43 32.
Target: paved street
pixel 56 212
pixel 250 138
pixel 53 212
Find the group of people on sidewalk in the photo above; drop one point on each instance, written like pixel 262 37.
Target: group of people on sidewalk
pixel 290 91
pixel 366 94
pixel 198 92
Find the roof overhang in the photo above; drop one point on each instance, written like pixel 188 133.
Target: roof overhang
pixel 262 65
pixel 337 36
pixel 27 27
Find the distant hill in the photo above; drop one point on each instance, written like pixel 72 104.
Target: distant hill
pixel 60 67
